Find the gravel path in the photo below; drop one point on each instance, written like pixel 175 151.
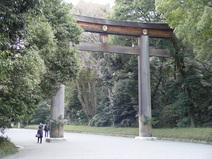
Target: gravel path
pixel 88 146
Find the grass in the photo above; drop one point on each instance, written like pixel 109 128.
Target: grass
pixel 6 147
pixel 182 134
pixel 196 134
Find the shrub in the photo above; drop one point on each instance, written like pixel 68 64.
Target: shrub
pixel 6 147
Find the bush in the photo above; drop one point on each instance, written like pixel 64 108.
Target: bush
pixel 99 121
pixel 6 147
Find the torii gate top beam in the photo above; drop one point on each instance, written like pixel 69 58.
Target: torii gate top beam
pixel 118 27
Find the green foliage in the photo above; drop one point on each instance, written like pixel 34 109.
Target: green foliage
pixel 135 10
pixel 117 97
pixel 74 107
pixel 100 120
pixel 6 147
pixel 18 91
pixel 148 120
pixel 191 21
pixel 123 108
pixel 34 53
pixel 12 18
pixel 58 122
pixel 103 117
pixel 63 64
pixel 189 89
pixel 42 113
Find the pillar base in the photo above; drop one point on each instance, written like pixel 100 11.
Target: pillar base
pixel 50 140
pixel 146 138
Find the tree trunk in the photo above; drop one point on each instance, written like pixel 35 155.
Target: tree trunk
pixel 191 112
pixel 94 97
pixel 159 81
pixel 82 100
pixel 88 97
pixel 192 116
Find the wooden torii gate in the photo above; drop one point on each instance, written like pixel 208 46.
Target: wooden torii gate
pixel 141 30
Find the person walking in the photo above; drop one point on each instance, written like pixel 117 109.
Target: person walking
pixel 46 129
pixel 40 134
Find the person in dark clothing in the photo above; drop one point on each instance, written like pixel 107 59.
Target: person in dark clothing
pixel 40 125
pixel 46 129
pixel 40 132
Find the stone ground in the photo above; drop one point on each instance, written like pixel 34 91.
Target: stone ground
pixel 88 146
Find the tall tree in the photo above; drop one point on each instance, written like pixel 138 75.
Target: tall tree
pixel 191 20
pixel 87 87
pixel 191 23
pixel 63 64
pixel 21 68
pixel 35 45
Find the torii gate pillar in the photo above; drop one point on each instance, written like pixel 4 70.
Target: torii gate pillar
pixel 57 116
pixel 144 88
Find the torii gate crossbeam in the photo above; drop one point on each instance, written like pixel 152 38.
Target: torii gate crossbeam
pixel 141 30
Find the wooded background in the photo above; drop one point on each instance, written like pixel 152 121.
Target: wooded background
pixel 102 88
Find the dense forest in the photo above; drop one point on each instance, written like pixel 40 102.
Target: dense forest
pixel 101 88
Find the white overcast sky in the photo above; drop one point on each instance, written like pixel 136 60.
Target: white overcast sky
pixel 93 1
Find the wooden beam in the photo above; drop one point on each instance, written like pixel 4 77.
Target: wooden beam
pixel 160 26
pixel 121 49
pixel 127 28
pixel 159 52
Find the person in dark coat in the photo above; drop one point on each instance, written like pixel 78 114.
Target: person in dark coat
pixel 40 125
pixel 40 132
pixel 46 129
